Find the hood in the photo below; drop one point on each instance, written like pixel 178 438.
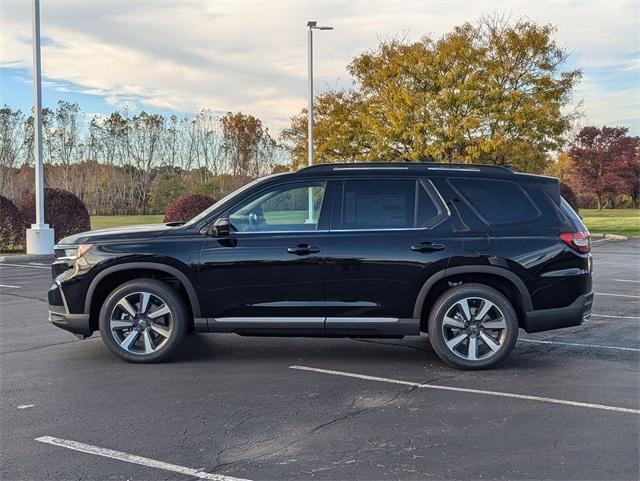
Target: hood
pixel 146 231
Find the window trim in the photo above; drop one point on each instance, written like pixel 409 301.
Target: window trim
pixel 477 212
pixel 256 194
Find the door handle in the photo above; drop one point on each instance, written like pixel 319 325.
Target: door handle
pixel 303 250
pixel 427 247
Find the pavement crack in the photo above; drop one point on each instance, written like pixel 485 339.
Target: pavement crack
pixel 39 299
pixel 35 348
pixel 309 432
pixel 370 341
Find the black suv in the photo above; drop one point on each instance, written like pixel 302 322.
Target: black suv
pixel 467 253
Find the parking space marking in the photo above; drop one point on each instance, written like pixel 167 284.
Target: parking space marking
pixel 576 344
pixel 132 458
pixel 10 287
pixel 616 295
pixel 25 406
pixel 4 264
pixel 615 317
pixel 470 391
pixel 625 280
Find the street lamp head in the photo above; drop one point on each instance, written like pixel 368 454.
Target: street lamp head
pixel 313 25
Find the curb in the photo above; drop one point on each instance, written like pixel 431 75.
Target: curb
pixel 28 258
pixel 609 236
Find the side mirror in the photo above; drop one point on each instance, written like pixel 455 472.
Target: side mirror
pixel 220 228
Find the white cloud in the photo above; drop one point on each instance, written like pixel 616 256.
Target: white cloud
pixel 251 56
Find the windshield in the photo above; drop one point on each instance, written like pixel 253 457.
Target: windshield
pixel 205 213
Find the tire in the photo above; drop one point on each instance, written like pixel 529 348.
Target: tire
pixel 143 337
pixel 472 344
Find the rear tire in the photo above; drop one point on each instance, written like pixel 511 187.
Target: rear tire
pixel 472 326
pixel 143 321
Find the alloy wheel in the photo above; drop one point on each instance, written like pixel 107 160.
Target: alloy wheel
pixel 141 323
pixel 474 329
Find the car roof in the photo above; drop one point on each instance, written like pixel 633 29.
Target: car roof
pixel 431 169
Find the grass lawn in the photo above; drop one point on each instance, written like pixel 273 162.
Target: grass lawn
pixel 607 221
pixel 105 221
pixel 612 221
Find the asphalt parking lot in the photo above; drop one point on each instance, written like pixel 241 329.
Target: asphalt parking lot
pixel 565 405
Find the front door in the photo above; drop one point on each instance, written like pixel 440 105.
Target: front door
pixel 266 276
pixel 392 234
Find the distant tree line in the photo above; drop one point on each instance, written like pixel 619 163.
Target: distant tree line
pixel 126 164
pixel 495 91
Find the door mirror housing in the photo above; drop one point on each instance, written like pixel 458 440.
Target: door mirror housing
pixel 220 228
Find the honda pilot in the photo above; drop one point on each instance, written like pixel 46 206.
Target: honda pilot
pixel 468 254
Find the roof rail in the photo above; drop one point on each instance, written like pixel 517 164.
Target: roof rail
pixel 406 166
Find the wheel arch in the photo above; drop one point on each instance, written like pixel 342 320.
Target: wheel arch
pixel 144 269
pixel 502 279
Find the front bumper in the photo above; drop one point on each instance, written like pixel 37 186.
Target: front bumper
pixel 572 315
pixel 59 314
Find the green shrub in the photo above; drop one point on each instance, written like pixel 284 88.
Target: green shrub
pixel 165 189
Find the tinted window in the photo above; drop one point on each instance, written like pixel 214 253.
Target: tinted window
pixel 497 201
pixel 427 210
pixel 383 204
pixel 286 208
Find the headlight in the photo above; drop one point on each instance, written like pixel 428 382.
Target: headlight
pixel 70 252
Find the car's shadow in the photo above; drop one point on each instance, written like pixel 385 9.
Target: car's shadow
pixel 414 351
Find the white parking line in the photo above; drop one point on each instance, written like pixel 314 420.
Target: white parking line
pixel 576 344
pixel 25 406
pixel 10 287
pixel 4 264
pixel 471 391
pixel 616 295
pixel 132 458
pixel 625 280
pixel 615 317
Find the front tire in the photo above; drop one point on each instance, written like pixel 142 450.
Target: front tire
pixel 143 321
pixel 472 326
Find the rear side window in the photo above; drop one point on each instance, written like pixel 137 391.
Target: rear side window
pixel 378 204
pixel 497 201
pixel 387 204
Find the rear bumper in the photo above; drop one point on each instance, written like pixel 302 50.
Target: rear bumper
pixel 548 319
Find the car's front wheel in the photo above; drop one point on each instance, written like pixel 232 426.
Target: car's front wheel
pixel 143 321
pixel 473 326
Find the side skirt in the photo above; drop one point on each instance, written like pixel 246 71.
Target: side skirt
pixel 311 326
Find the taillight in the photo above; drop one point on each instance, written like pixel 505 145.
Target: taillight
pixel 578 241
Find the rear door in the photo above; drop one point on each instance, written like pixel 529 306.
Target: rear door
pixel 388 236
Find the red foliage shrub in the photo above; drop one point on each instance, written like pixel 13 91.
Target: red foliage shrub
pixel 63 211
pixel 12 227
pixel 569 195
pixel 187 207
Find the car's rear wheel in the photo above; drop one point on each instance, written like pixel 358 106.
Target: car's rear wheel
pixel 473 326
pixel 143 321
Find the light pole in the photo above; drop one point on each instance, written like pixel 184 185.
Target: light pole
pixel 312 25
pixel 40 236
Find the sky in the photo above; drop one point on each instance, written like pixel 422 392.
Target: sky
pixel 180 56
